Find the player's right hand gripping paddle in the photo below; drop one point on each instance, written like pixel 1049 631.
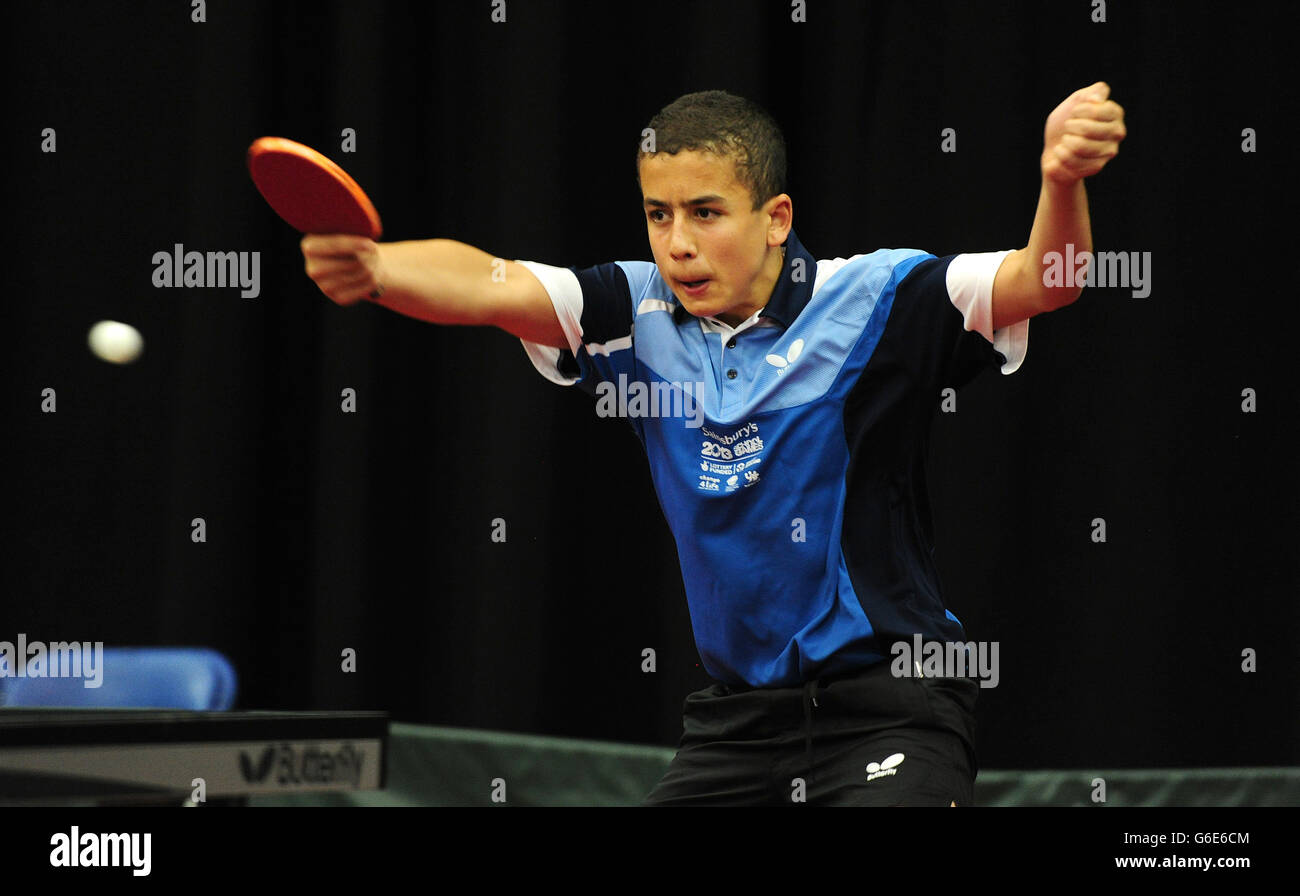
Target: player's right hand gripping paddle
pixel 310 192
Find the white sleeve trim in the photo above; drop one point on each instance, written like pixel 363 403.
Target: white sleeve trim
pixel 562 286
pixel 970 286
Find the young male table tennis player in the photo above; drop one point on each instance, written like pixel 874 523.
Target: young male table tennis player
pixel 797 495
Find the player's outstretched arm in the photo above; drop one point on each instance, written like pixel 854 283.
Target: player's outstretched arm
pixel 1082 134
pixel 439 281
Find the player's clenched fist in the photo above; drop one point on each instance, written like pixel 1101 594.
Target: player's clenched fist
pixel 346 268
pixel 1082 134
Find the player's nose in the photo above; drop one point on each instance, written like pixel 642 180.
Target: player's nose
pixel 680 244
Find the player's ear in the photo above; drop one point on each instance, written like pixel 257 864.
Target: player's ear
pixel 780 218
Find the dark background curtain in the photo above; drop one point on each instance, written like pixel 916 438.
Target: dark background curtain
pixel 372 530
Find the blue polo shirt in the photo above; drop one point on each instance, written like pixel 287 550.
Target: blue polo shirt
pixel 788 452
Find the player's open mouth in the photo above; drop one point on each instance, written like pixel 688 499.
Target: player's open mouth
pixel 694 287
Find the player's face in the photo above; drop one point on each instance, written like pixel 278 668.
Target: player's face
pixel 720 256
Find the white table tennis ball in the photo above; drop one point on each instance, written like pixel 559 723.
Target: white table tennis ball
pixel 115 342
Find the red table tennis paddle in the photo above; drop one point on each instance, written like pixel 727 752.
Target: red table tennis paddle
pixel 307 190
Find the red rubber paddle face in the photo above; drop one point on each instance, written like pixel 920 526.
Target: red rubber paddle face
pixel 307 190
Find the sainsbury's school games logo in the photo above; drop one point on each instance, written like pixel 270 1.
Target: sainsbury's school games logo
pixel 728 459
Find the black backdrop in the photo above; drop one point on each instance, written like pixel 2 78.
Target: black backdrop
pixel 371 530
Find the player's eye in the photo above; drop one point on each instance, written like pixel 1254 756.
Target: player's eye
pixel 706 212
pixel 655 215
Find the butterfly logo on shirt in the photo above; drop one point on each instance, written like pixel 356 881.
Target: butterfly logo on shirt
pixel 782 364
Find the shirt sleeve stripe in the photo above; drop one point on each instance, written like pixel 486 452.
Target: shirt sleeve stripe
pixel 970 287
pixel 566 295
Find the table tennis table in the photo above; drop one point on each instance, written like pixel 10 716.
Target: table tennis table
pixel 166 757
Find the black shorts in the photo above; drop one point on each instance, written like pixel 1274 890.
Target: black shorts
pixel 868 739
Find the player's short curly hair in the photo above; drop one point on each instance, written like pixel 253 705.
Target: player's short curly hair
pixel 728 125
